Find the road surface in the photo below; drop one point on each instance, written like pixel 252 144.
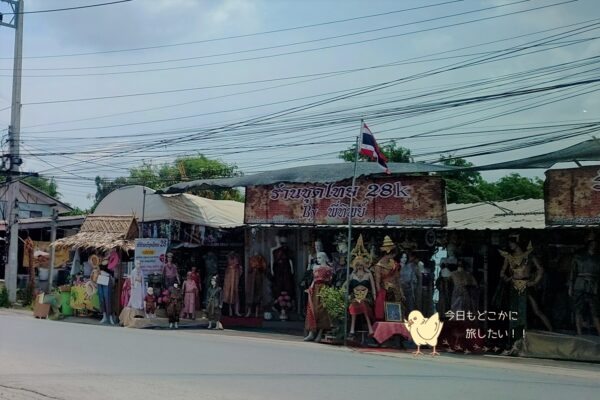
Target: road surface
pixel 42 359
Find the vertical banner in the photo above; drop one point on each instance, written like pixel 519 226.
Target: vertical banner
pixel 572 196
pixel 151 254
pixel 393 201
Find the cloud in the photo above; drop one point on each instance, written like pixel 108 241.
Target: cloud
pixel 142 23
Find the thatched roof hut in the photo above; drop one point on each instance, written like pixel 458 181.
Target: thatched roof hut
pixel 103 232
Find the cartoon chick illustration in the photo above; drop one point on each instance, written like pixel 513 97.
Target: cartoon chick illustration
pixel 424 330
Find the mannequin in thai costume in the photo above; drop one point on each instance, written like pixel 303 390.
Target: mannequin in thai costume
pixel 409 281
pixel 339 264
pixel 257 266
pixel 524 272
pixel 307 278
pixel 282 268
pixel 387 279
pixel 138 288
pixel 361 285
pixel 214 303
pixel 150 303
pixel 584 284
pixel 170 273
pixel 425 286
pixel 198 282
pixel 233 272
pixel 444 287
pixel 174 306
pixel 212 268
pixel 190 294
pixel 464 285
pixel 317 318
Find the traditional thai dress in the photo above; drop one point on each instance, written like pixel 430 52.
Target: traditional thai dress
pixel 174 307
pixel 214 302
pixel 361 298
pixel 408 281
pixel 464 295
pixel 387 274
pixel 136 280
pixel 125 293
pixel 586 279
pixel 444 287
pixel 317 317
pixel 256 277
pixel 190 291
pixel 232 281
pixel 170 275
pixel 196 279
pixel 283 278
pixel 211 269
pixel 150 301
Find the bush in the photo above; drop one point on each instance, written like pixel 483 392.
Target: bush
pixel 334 301
pixel 4 298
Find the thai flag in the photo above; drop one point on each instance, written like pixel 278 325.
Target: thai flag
pixel 369 148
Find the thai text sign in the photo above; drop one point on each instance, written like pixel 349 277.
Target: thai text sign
pixel 398 201
pixel 572 196
pixel 151 254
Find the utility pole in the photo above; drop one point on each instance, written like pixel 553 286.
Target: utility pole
pixel 52 248
pixel 14 158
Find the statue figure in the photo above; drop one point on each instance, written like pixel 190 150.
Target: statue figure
pixel 317 318
pixel 584 284
pixel 361 285
pixel 170 273
pixel 214 303
pixel 387 279
pixel 257 265
pixel 231 283
pixel 282 268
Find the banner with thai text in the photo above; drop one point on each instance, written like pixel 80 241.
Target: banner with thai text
pixel 151 254
pixel 399 201
pixel 572 196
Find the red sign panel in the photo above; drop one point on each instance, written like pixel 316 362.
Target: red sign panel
pixel 400 201
pixel 572 196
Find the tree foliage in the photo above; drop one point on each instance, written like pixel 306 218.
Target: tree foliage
pixel 392 151
pixel 182 169
pixel 45 185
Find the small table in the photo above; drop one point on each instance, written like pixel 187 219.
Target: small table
pixel 383 331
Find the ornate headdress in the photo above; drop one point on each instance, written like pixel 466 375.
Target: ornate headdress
pixel 360 254
pixel 388 245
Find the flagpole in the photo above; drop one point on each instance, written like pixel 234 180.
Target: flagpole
pixel 350 237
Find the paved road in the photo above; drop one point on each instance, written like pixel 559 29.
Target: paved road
pixel 44 359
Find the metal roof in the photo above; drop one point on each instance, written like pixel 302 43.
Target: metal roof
pixel 498 215
pixel 320 173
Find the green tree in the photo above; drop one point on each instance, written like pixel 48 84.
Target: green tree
pixel 46 185
pixel 462 186
pixel 182 169
pixel 392 151
pixel 515 186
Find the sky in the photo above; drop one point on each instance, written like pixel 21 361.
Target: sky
pixel 269 84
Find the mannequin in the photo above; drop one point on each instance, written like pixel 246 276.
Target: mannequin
pixel 463 290
pixel 214 303
pixel 136 282
pixel 444 287
pixel 425 286
pixel 231 283
pixel 174 307
pixel 317 318
pixel 282 268
pixel 409 281
pixel 190 293
pixel 523 271
pixel 212 268
pixel 361 285
pixel 256 277
pixel 583 285
pixel 150 303
pixel 197 280
pixel 170 273
pixel 387 279
pixel 341 246
pixel 105 284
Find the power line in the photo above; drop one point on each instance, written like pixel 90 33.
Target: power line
pixel 69 8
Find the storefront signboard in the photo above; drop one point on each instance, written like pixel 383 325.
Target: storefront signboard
pixel 572 196
pixel 392 201
pixel 151 254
